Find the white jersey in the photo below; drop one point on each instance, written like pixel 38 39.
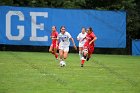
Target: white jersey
pixel 80 37
pixel 64 39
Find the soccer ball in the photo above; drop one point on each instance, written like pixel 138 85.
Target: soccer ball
pixel 62 64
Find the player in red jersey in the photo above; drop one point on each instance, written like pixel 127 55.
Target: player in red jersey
pixel 54 45
pixel 88 48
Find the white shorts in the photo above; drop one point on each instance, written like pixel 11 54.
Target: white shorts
pixel 64 48
pixel 81 44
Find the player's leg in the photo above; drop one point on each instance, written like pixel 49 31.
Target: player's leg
pixel 51 48
pixel 80 52
pixel 61 53
pixel 83 59
pixel 91 50
pixel 89 56
pixel 55 52
pixel 65 55
pixel 66 50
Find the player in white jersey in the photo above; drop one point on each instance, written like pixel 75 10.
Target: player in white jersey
pixel 64 43
pixel 81 40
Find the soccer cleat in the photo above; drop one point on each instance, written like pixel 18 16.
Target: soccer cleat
pixel 82 65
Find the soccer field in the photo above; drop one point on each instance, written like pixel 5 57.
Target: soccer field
pixel 35 72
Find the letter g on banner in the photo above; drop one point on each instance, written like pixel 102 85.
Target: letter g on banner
pixel 8 25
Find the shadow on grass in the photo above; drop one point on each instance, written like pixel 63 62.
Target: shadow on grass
pixel 118 75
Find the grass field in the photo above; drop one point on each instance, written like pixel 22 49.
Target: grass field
pixel 34 72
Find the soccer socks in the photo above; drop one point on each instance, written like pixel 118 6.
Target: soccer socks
pixel 80 54
pixel 82 63
pixel 83 60
pixel 88 59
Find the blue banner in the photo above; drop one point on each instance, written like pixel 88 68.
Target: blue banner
pixel 136 47
pixel 32 26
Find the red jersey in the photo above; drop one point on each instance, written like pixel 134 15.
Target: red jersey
pixel 89 37
pixel 54 36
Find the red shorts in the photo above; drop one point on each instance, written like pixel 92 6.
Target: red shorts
pixel 89 48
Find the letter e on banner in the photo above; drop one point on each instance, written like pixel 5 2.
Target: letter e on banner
pixel 37 26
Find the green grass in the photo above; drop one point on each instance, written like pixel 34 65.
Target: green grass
pixel 34 72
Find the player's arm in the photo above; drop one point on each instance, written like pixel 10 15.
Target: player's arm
pixel 51 36
pixel 94 39
pixel 73 43
pixel 70 37
pixel 57 40
pixel 84 38
pixel 78 37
